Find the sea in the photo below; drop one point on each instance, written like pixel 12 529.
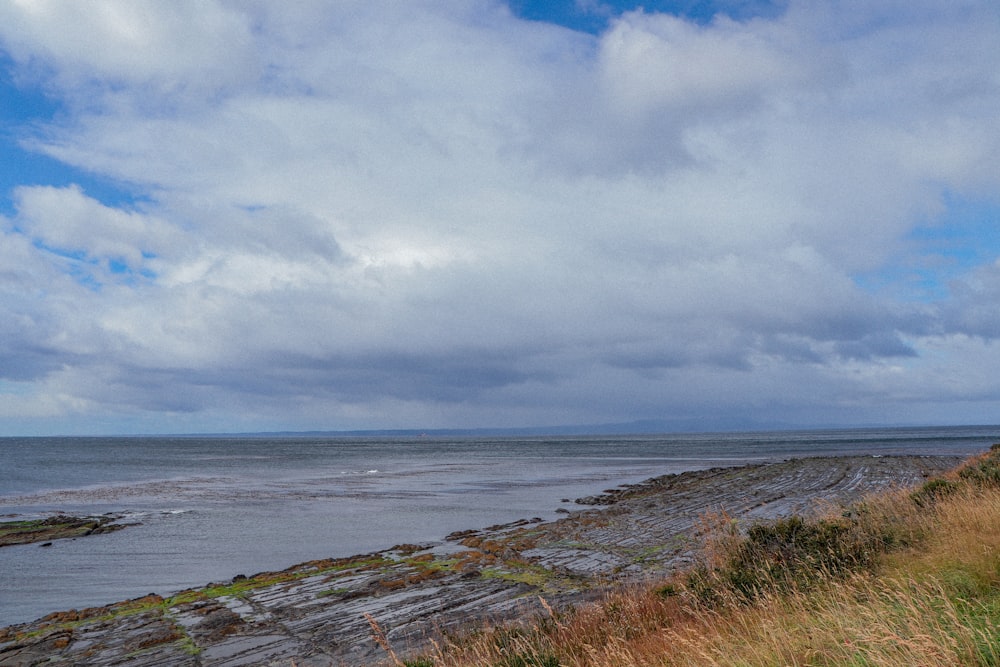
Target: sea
pixel 206 509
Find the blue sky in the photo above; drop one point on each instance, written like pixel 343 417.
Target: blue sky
pixel 593 16
pixel 221 216
pixel 25 109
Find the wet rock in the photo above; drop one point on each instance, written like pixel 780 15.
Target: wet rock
pixel 460 535
pixel 57 527
pixel 217 624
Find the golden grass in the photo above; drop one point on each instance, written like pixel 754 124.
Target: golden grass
pixel 930 598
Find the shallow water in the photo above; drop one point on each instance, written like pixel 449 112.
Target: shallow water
pixel 211 508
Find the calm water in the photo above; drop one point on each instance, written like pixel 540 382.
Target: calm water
pixel 211 508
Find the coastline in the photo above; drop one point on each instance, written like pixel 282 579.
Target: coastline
pixel 313 613
pixel 57 527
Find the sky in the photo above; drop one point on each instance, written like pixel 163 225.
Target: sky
pixel 254 215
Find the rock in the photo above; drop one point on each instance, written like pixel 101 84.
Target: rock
pixel 216 625
pixel 56 527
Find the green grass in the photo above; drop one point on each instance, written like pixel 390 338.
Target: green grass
pixel 533 575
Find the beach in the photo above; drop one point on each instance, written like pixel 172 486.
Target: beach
pixel 314 613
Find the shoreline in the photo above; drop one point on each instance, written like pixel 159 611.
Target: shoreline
pixel 313 613
pixel 59 526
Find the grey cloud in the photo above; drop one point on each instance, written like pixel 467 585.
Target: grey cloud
pixel 22 360
pixel 882 345
pixel 460 375
pixel 974 307
pixel 436 209
pixel 284 379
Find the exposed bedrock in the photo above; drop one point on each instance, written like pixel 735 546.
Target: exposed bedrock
pixel 314 614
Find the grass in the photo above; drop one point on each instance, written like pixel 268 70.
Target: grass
pixel 904 578
pixel 524 573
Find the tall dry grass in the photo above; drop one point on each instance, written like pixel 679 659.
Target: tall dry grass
pixel 904 578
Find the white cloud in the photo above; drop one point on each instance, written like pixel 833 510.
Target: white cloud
pixel 663 64
pixel 435 208
pixel 66 220
pixel 101 47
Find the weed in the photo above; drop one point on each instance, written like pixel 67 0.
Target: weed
pixel 530 660
pixel 380 638
pixel 932 491
pixel 521 573
pixel 332 592
pixel 983 470
pixel 787 554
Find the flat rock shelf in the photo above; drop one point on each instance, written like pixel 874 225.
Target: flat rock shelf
pixel 58 527
pixel 314 614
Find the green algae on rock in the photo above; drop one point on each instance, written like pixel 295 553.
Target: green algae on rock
pixel 56 527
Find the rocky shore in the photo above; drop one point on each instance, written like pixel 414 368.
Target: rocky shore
pixel 59 527
pixel 314 614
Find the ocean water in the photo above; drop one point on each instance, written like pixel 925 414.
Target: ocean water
pixel 209 508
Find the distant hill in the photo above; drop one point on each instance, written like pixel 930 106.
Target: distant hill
pixel 640 427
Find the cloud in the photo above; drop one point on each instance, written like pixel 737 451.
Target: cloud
pixel 46 301
pixel 95 50
pixel 374 214
pixel 66 221
pixel 661 64
pixel 971 310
